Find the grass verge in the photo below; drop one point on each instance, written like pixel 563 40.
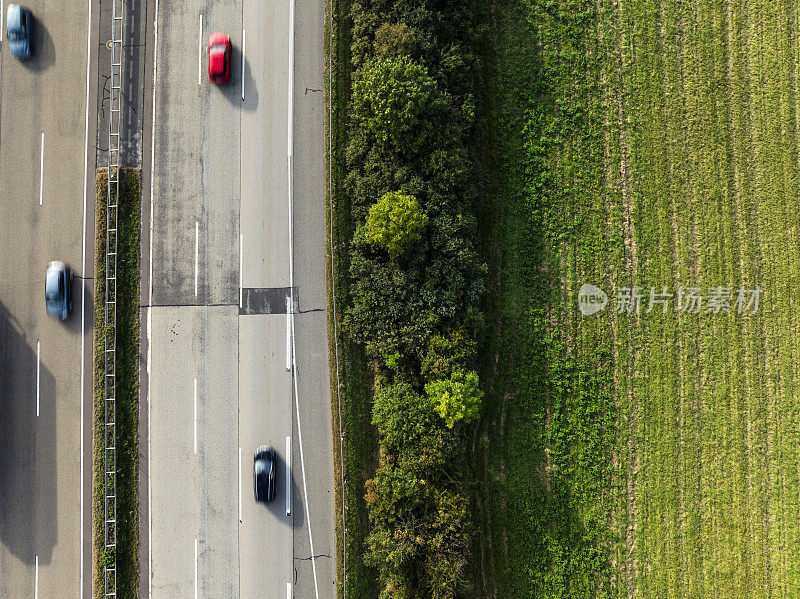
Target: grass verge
pixel 127 390
pixel 542 452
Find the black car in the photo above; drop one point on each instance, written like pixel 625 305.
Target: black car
pixel 264 473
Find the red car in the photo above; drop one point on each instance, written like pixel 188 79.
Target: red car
pixel 219 58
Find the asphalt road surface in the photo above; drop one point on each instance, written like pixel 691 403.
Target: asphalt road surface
pixel 236 261
pixel 45 365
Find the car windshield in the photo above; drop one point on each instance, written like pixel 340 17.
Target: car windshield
pixel 15 35
pixel 53 289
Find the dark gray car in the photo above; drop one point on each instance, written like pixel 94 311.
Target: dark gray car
pixel 264 473
pixel 19 30
pixel 57 290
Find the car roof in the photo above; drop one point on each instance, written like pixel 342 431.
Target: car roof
pixel 51 280
pixel 216 59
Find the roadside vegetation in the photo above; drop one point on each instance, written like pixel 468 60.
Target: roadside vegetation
pixel 643 454
pixel 500 443
pixel 127 391
pixel 409 282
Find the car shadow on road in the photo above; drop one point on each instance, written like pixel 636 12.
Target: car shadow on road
pixel 78 285
pixel 44 50
pixel 28 469
pixel 277 507
pixel 233 90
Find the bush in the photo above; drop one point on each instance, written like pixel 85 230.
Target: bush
pixel 446 547
pixel 397 307
pixel 392 98
pixel 394 494
pixel 396 223
pixel 446 354
pixel 419 538
pixel 411 429
pixel 396 39
pixel 457 398
pixel 388 314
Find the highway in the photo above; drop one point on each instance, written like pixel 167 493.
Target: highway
pixel 47 180
pixel 235 338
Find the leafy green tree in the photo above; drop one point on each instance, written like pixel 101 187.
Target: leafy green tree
pixel 393 551
pixel 398 305
pixel 408 424
pixel 387 314
pixel 448 353
pixel 392 99
pixel 446 544
pixel 396 223
pixel 395 39
pixel 395 500
pixel 394 494
pixel 457 398
pixel 419 537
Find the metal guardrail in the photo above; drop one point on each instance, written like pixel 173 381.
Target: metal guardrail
pixel 110 388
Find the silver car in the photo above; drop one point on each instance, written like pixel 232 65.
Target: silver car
pixel 57 290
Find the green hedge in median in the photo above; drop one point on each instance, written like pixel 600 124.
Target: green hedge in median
pixel 127 391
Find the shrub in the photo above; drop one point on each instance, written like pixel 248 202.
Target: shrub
pixel 396 223
pixel 395 39
pixel 446 354
pixel 408 423
pixel 391 100
pixel 419 535
pixel 446 545
pixel 457 398
pixel 388 314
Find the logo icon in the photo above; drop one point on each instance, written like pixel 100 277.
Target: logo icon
pixel 591 299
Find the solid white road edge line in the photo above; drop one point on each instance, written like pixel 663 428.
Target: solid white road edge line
pixel 303 466
pixel 196 252
pixel 243 46
pixel 288 476
pixel 240 484
pixel 38 378
pixel 288 590
pixel 1 20
pixel 83 263
pixel 288 334
pixel 36 579
pixel 241 248
pixel 200 52
pixel 41 169
pixel 195 416
pixel 149 315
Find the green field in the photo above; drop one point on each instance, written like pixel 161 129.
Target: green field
pixel 640 144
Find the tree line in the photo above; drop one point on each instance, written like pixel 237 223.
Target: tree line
pixel 416 280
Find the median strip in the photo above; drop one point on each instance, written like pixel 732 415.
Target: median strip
pixel 127 385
